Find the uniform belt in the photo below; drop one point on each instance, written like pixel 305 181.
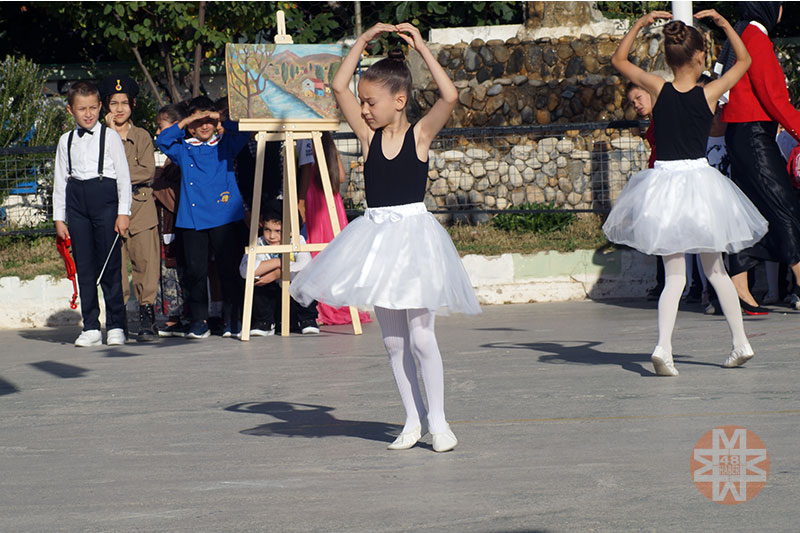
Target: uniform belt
pixel 136 188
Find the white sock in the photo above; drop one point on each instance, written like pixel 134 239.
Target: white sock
pixel 674 281
pixel 727 296
pixel 423 341
pixel 396 338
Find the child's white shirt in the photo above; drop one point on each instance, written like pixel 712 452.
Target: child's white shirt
pixel 298 260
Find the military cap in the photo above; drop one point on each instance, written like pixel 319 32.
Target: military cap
pixel 118 83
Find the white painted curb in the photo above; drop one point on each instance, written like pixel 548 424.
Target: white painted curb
pixel 507 278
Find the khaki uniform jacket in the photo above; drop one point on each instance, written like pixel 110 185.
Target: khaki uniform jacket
pixel 141 161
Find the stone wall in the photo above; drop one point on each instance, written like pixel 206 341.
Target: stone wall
pixel 560 82
pixel 574 170
pixel 536 82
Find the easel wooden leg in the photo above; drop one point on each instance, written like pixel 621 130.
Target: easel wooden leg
pixel 247 312
pixel 292 236
pixel 328 191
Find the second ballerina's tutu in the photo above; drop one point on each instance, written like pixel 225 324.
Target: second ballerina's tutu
pixel 684 206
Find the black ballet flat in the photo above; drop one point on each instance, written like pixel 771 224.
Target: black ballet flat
pixel 753 310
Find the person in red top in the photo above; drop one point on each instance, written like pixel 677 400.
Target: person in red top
pixel 758 103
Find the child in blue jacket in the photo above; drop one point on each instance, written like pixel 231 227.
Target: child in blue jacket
pixel 210 209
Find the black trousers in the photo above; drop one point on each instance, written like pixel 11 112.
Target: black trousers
pixel 267 307
pixel 92 207
pixel 225 243
pixel 759 170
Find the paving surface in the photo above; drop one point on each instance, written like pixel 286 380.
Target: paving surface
pixel 562 427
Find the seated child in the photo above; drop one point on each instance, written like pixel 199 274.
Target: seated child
pixel 267 287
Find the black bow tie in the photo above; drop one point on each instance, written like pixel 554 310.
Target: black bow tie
pixel 81 131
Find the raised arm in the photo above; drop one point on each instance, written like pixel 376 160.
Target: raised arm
pixel 649 82
pixel 348 103
pixel 440 113
pixel 724 83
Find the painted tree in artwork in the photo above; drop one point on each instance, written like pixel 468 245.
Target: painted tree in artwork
pixel 332 70
pixel 248 72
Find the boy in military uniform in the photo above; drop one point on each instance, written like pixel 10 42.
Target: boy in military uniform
pixel 140 244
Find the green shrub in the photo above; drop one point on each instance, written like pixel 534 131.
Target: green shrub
pixel 541 219
pixel 27 116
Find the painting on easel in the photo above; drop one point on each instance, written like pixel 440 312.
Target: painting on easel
pixel 282 81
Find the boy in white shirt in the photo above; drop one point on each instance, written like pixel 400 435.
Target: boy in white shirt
pixel 267 285
pixel 91 206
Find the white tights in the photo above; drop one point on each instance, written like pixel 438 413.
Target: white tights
pixel 404 331
pixel 674 280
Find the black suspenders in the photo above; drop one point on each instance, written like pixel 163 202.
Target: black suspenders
pixel 103 128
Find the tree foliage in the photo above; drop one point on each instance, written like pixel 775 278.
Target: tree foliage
pixel 28 117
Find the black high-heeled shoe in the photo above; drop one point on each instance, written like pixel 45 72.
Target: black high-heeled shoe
pixel 753 310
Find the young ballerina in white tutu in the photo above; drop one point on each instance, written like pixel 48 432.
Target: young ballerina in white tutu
pixel 683 205
pixel 396 257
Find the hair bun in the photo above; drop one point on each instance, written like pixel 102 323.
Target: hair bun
pixel 396 53
pixel 675 32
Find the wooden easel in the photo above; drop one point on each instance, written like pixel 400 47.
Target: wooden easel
pixel 288 132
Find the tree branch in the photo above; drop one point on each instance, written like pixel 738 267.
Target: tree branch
pixel 149 78
pixel 198 51
pixel 173 89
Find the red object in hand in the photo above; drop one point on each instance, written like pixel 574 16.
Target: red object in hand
pixel 63 249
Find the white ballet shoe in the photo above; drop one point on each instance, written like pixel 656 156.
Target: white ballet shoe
pixel 444 441
pixel 663 363
pixel 407 439
pixel 739 356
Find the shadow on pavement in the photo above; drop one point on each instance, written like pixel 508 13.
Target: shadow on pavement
pixel 6 387
pixel 311 421
pixel 61 335
pixel 584 353
pixel 61 370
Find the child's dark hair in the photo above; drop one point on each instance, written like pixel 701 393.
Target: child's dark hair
pixel 391 72
pixel 272 211
pixel 82 88
pixel 200 103
pixel 221 104
pixel 631 86
pixel 681 43
pixel 172 112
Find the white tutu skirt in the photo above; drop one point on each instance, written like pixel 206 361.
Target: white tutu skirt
pixel 396 257
pixel 684 206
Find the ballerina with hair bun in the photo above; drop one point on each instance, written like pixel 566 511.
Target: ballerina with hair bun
pixel 683 205
pixel 396 258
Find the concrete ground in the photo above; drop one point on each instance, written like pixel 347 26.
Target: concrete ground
pixel 561 422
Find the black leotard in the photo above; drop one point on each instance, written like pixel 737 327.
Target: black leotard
pixel 397 181
pixel 682 123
